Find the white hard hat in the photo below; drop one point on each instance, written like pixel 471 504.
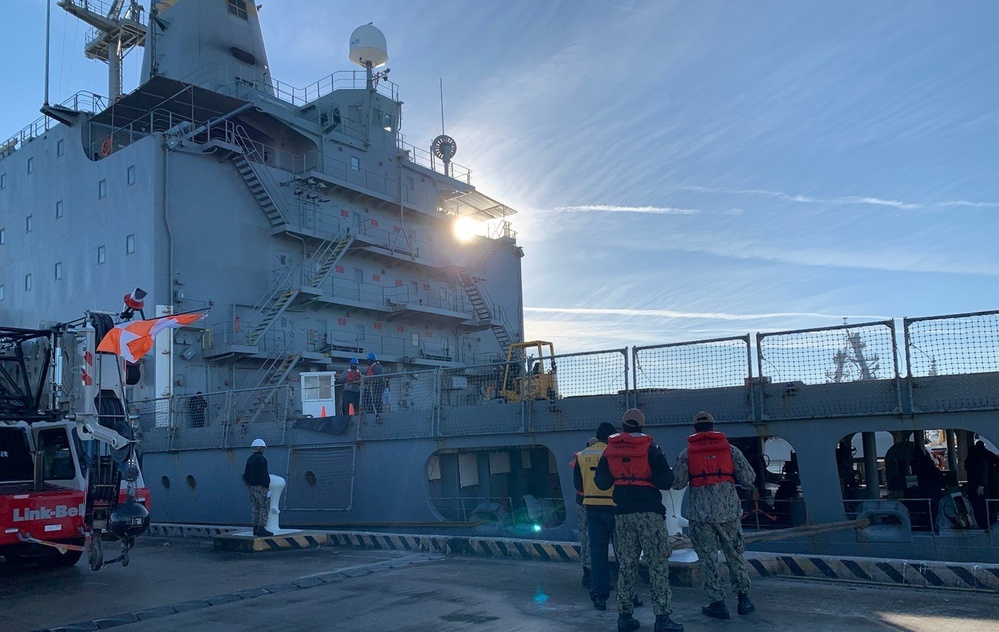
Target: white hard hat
pixel 258 443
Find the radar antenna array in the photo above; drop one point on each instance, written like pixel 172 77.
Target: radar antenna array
pixel 444 148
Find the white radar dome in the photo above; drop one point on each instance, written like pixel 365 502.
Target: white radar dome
pixel 367 44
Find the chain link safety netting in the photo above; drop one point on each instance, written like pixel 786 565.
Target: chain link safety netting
pixel 398 405
pixel 223 419
pixel 953 361
pixel 571 391
pixel 675 381
pixel 481 399
pixel 848 370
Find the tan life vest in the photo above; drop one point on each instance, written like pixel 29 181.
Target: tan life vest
pixel 587 461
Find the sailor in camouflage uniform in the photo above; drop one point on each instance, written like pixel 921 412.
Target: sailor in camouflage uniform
pixel 637 469
pixel 713 467
pixel 584 532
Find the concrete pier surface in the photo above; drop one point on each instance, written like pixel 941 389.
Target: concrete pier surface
pixel 184 584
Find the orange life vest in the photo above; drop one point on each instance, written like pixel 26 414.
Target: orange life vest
pixel 628 458
pixel 709 459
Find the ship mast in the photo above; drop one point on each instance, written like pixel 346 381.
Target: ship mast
pixel 852 355
pixel 117 30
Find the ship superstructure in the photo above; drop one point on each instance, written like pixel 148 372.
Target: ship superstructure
pixel 300 215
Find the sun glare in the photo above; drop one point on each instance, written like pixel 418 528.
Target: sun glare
pixel 465 228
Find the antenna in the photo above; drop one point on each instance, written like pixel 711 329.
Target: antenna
pixel 368 50
pixel 444 146
pixel 119 29
pixel 48 34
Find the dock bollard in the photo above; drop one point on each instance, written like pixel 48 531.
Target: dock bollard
pixel 276 488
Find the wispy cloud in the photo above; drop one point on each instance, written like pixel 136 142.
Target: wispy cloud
pixel 970 204
pixel 610 208
pixel 667 313
pixel 839 200
pixel 793 197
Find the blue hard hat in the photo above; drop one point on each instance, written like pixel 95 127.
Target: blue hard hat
pixel 372 357
pixel 353 361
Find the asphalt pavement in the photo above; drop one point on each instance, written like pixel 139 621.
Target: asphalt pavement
pixel 183 584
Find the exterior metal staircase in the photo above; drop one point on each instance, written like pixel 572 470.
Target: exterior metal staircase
pixel 325 258
pixel 259 180
pixel 283 293
pixel 272 375
pixel 483 309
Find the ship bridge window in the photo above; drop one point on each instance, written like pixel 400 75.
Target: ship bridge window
pixel 58 270
pixel 29 223
pixel 388 122
pixel 355 163
pixel 238 8
pixel 31 165
pixel 3 181
pixel 101 254
pixel 1 292
pixel 130 244
pixel 59 209
pixel 27 282
pixel 3 236
pixel 60 147
pixel 102 189
pixel 130 175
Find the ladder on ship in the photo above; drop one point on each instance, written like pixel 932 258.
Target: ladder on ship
pixel 258 178
pixel 282 294
pixel 272 374
pixel 483 309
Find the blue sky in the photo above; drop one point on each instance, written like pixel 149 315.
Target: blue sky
pixel 682 170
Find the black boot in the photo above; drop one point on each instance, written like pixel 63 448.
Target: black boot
pixel 716 609
pixel 745 604
pixel 264 533
pixel 256 531
pixel 600 603
pixel 665 624
pixel 586 577
pixel 627 623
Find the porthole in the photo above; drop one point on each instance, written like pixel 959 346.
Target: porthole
pixel 310 478
pixel 166 482
pixel 191 482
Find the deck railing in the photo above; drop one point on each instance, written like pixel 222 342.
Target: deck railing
pixel 577 391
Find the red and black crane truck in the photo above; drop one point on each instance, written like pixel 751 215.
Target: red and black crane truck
pixel 70 478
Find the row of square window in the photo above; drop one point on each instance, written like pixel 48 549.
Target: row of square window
pixel 102 186
pixel 101 258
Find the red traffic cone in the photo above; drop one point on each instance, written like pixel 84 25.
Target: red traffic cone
pixel 350 409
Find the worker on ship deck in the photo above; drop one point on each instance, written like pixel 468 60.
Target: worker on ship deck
pixel 351 379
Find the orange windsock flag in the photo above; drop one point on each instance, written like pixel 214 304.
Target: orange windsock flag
pixel 134 340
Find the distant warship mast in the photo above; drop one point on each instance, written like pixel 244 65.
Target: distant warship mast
pixel 850 358
pixel 117 29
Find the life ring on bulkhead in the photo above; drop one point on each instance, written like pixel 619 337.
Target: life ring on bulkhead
pixel 106 147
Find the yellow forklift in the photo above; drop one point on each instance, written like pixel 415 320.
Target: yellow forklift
pixel 535 360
